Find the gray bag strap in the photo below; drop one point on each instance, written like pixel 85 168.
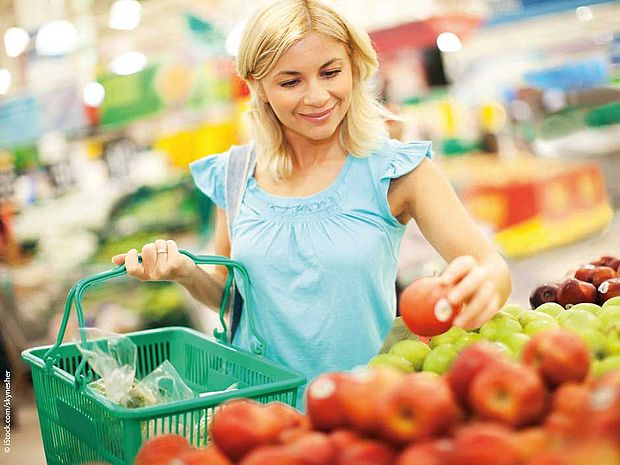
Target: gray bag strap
pixel 241 160
pixel 240 164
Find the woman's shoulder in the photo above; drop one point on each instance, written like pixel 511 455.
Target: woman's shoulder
pixel 209 175
pixel 393 158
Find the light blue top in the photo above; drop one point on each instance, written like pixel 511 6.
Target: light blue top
pixel 323 267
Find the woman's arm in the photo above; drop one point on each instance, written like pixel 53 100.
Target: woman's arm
pixel 208 287
pixel 480 275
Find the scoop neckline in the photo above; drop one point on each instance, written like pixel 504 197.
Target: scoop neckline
pixel 297 200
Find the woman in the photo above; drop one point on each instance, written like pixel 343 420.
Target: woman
pixel 325 208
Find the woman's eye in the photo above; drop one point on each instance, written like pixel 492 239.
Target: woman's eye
pixel 331 73
pixel 289 83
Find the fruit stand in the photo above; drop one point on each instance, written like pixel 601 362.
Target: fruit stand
pixel 534 385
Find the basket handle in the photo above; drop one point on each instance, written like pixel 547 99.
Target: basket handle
pixel 76 294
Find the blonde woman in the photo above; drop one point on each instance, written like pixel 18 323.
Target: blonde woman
pixel 326 204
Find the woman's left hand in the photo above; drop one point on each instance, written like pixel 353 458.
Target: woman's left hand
pixel 471 285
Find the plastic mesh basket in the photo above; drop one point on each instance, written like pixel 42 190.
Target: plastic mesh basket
pixel 79 426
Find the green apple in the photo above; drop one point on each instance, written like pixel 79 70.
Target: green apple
pixel 449 337
pixel 614 301
pixel 512 309
pixel 609 314
pixel 466 340
pixel 600 367
pixel 440 359
pixel 613 340
pixel 411 350
pixel 610 327
pixel 533 315
pixel 589 307
pixel 595 340
pixel 391 360
pixel 515 341
pixel 550 308
pixel 538 326
pixel 498 324
pixel 575 319
pixel 507 351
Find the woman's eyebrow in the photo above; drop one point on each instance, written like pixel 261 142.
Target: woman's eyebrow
pixel 296 73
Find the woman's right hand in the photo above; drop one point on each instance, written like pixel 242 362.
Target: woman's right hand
pixel 161 261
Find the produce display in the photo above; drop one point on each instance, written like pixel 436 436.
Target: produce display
pixel 488 409
pixel 576 305
pixel 510 330
pixel 532 386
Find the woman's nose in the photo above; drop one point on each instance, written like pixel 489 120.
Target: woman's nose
pixel 316 94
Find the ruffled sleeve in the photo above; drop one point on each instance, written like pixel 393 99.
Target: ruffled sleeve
pixel 209 175
pixel 393 160
pixel 405 157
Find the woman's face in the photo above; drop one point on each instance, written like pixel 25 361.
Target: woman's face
pixel 309 89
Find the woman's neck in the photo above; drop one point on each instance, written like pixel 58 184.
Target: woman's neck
pixel 308 152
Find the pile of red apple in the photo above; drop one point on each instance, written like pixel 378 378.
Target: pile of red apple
pixel 488 409
pixel 594 282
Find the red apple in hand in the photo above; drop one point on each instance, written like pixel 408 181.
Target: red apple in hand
pixel 608 289
pixel 425 309
pixel 559 356
pixel 572 291
pixel 420 407
pixel 509 393
pixel 467 366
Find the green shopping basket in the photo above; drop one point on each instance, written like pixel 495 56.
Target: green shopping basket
pixel 79 425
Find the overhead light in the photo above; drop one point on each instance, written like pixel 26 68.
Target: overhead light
pixel 128 63
pixel 56 38
pixel 15 41
pixel 584 13
pixel 5 81
pixel 234 39
pixel 125 15
pixel 93 94
pixel 448 42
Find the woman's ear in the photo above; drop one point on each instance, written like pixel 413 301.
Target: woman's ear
pixel 257 86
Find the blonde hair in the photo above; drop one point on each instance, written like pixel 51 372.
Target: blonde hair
pixel 267 36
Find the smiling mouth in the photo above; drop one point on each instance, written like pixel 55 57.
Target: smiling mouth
pixel 318 115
